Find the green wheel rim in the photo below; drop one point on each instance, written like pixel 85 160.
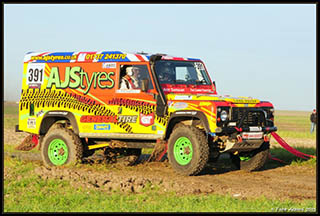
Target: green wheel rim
pixel 183 151
pixel 244 158
pixel 58 152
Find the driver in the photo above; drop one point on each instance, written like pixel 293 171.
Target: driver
pixel 165 75
pixel 130 80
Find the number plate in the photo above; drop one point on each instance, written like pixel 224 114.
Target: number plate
pixel 35 73
pixel 257 135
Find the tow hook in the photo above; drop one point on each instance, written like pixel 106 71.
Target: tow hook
pixel 266 138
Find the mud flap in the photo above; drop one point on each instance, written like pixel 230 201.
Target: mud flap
pixel 159 151
pixel 29 143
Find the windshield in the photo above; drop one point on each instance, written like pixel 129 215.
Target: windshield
pixel 181 72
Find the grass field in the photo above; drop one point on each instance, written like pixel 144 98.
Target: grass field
pixel 294 124
pixel 24 191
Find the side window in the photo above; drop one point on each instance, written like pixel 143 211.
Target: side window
pixel 131 77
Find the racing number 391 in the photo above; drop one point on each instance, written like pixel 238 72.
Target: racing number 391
pixel 35 73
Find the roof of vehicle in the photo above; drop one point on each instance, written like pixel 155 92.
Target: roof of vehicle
pixel 97 56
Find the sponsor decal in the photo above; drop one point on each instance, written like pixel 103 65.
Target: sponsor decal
pixel 160 132
pixel 183 97
pixel 58 113
pixel 75 78
pixel 186 113
pixel 100 119
pixel 102 127
pixel 201 90
pixel 180 105
pixel 174 89
pixel 87 56
pixel 256 135
pixel 147 120
pixel 106 56
pixel 52 58
pixel 109 119
pixel 128 91
pixel 34 85
pixel 199 65
pixel 128 102
pixel 40 113
pixel 154 127
pixel 127 118
pixel 31 123
pixel 109 65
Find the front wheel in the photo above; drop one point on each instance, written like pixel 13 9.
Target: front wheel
pixel 188 150
pixel 252 161
pixel 60 146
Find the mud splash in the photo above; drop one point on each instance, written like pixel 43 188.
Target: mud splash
pixel 287 182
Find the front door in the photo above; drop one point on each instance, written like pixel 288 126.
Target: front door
pixel 136 105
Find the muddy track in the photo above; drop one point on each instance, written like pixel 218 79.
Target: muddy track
pixel 286 182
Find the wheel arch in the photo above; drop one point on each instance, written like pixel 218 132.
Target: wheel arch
pixel 183 116
pixel 53 116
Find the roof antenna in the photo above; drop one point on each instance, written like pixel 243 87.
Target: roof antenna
pixel 142 53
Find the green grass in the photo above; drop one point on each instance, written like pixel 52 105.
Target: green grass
pixel 26 192
pixel 289 158
pixel 294 126
pixel 10 121
pixel 11 108
pixel 296 134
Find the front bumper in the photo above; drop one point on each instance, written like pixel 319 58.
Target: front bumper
pixel 231 130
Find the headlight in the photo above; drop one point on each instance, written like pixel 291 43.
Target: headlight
pixel 223 115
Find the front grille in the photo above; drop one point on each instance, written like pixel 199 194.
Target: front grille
pixel 252 116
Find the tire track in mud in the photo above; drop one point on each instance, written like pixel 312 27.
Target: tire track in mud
pixel 288 182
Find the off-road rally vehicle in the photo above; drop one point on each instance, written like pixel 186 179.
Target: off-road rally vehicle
pixel 73 103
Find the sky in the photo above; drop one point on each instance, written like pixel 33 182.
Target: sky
pixel 266 51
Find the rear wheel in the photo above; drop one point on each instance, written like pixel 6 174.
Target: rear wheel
pixel 252 161
pixel 188 150
pixel 60 146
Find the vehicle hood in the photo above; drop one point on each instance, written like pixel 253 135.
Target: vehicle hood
pixel 226 98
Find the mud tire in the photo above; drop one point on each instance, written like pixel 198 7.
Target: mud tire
pixel 200 150
pixel 257 161
pixel 71 140
pixel 54 126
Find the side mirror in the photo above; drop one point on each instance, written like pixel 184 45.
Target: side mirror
pixel 144 85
